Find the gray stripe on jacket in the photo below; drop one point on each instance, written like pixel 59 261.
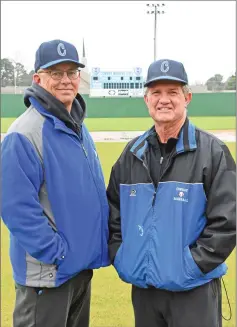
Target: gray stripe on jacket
pixel 30 124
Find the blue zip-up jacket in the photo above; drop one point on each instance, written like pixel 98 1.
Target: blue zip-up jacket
pixel 176 235
pixel 53 194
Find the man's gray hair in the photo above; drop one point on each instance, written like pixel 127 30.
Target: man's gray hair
pixel 185 88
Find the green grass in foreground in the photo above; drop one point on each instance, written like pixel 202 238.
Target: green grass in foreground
pixel 111 302
pixel 141 124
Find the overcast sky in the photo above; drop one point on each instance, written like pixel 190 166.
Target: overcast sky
pixel 120 34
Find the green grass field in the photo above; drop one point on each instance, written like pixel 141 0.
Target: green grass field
pixel 111 304
pixel 141 124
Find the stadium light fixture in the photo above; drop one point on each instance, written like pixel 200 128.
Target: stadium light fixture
pixel 155 12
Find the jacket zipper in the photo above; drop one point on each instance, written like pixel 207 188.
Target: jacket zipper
pixel 86 155
pixel 154 195
pixel 153 209
pixel 84 149
pixel 170 157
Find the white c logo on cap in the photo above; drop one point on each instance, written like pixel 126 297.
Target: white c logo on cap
pixel 61 49
pixel 164 67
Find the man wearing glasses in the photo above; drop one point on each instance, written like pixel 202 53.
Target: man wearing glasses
pixel 54 200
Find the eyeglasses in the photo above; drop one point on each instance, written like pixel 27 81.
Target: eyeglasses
pixel 58 74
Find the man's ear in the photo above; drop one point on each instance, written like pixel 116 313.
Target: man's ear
pixel 36 78
pixel 145 98
pixel 188 99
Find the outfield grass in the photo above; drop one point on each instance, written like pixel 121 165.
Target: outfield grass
pixel 141 124
pixel 111 303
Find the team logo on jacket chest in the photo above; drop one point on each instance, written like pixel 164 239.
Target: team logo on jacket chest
pixel 133 193
pixel 181 194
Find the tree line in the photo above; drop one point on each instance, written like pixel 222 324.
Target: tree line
pixel 15 73
pixel 216 83
pixel 14 70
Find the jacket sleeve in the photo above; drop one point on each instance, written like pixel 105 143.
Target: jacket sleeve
pixel 218 239
pixel 22 176
pixel 115 236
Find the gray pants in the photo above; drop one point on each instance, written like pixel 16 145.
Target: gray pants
pixel 65 306
pixel 200 307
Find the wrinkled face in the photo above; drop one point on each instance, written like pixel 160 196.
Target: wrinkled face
pixel 166 101
pixel 64 89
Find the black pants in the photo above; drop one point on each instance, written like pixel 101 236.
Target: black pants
pixel 65 306
pixel 199 307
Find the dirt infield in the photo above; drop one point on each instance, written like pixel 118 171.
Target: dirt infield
pixel 224 135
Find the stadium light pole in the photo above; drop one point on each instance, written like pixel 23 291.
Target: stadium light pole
pixel 155 9
pixel 15 77
pixel 14 72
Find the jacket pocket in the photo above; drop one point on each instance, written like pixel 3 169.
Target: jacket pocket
pixel 60 260
pixel 39 274
pixel 192 269
pixel 195 272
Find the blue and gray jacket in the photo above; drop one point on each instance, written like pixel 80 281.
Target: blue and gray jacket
pixel 53 193
pixel 176 235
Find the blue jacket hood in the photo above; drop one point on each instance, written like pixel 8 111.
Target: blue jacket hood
pixel 72 120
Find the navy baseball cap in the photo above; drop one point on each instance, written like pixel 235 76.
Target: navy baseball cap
pixel 166 69
pixel 54 52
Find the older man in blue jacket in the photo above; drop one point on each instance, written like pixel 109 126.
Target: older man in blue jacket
pixel 54 200
pixel 172 203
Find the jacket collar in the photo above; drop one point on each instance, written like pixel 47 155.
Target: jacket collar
pixel 54 107
pixel 58 124
pixel 186 140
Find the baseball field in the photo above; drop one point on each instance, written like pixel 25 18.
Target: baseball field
pixel 111 303
pixel 142 124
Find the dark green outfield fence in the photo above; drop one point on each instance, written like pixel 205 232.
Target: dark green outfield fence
pixel 203 104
